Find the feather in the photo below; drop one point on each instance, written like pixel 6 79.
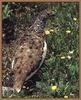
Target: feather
pixel 43 57
pixel 30 52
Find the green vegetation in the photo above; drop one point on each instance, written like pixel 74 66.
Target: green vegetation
pixel 59 75
pixel 6 11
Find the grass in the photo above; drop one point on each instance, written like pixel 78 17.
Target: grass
pixel 59 75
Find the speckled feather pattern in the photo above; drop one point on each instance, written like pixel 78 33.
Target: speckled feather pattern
pixel 28 54
pixel 29 51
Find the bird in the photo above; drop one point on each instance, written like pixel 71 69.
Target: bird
pixel 30 51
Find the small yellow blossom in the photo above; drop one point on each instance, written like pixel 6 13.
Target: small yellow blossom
pixel 54 87
pixel 68 31
pixel 66 97
pixel 75 19
pixel 71 52
pixel 51 30
pixel 69 57
pixel 63 57
pixel 47 32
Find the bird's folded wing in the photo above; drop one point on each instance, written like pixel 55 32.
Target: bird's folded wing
pixel 28 55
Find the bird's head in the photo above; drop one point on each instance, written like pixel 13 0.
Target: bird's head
pixel 46 13
pixel 39 24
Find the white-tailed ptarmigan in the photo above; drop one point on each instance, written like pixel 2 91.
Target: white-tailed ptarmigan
pixel 30 51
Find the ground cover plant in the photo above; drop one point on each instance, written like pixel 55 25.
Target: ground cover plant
pixel 58 77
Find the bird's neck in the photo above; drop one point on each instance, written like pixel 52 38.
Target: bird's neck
pixel 38 26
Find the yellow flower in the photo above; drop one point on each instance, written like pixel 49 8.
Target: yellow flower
pixel 71 52
pixel 54 87
pixel 69 57
pixel 66 97
pixel 47 32
pixel 63 57
pixel 68 31
pixel 51 30
pixel 75 19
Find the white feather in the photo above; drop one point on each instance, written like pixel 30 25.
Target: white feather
pixel 44 53
pixel 13 63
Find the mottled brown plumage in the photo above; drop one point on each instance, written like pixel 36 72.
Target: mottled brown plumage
pixel 29 51
pixel 27 56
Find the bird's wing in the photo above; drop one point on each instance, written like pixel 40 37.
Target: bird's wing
pixel 27 58
pixel 41 62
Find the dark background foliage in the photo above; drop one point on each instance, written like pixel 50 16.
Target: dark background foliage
pixel 61 66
